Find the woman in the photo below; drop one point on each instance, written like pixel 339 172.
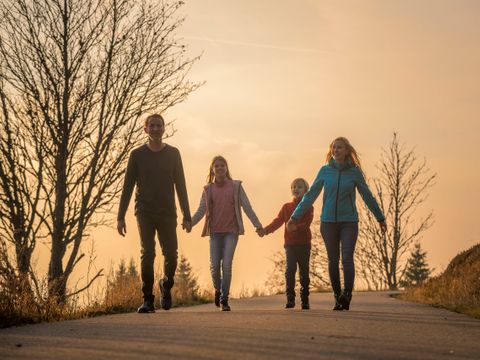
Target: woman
pixel 339 220
pixel 221 203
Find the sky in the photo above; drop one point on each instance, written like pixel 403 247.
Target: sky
pixel 283 78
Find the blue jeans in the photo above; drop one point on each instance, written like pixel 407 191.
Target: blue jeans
pixel 222 248
pixel 341 236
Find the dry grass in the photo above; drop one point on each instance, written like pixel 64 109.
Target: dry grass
pixel 457 289
pixel 121 294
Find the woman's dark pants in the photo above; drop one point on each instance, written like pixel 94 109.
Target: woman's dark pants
pixel 340 237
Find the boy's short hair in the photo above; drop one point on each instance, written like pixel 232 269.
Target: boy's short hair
pixel 302 180
pixel 154 116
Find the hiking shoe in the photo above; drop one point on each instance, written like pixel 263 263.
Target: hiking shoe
pixel 225 306
pixel 147 307
pixel 166 300
pixel 217 298
pixel 290 304
pixel 345 299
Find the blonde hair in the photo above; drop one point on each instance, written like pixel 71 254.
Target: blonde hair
pixel 211 174
pixel 154 116
pixel 351 152
pixel 303 181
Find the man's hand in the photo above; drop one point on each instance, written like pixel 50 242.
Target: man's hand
pixel 187 225
pixel 383 226
pixel 291 227
pixel 261 232
pixel 121 227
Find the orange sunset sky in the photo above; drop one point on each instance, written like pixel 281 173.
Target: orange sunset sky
pixel 285 77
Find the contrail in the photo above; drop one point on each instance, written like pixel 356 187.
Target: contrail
pixel 256 45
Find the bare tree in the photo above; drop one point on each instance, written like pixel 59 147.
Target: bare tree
pixel 76 76
pixel 401 188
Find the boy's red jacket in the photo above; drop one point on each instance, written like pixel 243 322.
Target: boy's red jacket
pixel 301 236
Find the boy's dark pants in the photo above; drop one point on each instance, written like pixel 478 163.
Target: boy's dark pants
pixel 165 227
pixel 297 254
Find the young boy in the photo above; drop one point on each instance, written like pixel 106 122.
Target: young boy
pixel 297 244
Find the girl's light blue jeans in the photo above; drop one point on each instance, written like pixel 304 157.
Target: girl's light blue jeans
pixel 222 249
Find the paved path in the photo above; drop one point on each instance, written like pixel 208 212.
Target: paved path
pixel 377 327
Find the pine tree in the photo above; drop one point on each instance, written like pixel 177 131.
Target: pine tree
pixel 186 288
pixel 417 270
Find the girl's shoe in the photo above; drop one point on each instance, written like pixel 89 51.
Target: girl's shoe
pixel 217 298
pixel 224 305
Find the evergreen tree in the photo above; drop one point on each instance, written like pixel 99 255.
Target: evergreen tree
pixel 186 287
pixel 132 269
pixel 417 270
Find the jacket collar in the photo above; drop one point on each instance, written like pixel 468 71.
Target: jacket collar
pixel 336 165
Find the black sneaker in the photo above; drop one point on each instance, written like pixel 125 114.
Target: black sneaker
pixel 166 300
pixel 217 298
pixel 290 304
pixel 225 306
pixel 147 307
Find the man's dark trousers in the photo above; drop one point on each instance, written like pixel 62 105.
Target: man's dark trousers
pixel 165 228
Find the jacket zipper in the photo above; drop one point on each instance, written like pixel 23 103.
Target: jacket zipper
pixel 338 191
pixel 351 203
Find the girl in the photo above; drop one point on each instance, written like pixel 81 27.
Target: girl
pixel 297 244
pixel 339 220
pixel 220 202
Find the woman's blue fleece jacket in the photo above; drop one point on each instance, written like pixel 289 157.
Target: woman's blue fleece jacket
pixel 340 182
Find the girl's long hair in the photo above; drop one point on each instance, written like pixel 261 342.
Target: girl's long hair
pixel 351 152
pixel 211 174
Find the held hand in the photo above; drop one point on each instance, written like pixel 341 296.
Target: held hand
pixel 187 225
pixel 383 226
pixel 121 227
pixel 261 232
pixel 291 227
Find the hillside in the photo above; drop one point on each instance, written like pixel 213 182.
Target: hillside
pixel 457 288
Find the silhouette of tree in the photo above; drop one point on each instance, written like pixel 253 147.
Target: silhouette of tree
pixel 76 76
pixel 401 188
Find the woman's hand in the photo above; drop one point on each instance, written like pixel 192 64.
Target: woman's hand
pixel 383 226
pixel 291 227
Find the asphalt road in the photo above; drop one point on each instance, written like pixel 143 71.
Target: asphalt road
pixel 376 327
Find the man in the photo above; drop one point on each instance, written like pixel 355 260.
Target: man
pixel 156 169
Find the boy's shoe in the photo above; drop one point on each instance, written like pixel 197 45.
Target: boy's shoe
pixel 345 299
pixel 166 301
pixel 338 306
pixel 305 302
pixel 217 298
pixel 290 304
pixel 225 306
pixel 147 307
pixel 305 306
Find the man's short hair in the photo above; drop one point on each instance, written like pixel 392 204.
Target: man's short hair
pixel 154 116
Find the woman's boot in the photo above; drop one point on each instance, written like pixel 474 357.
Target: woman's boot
pixel 345 299
pixel 337 306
